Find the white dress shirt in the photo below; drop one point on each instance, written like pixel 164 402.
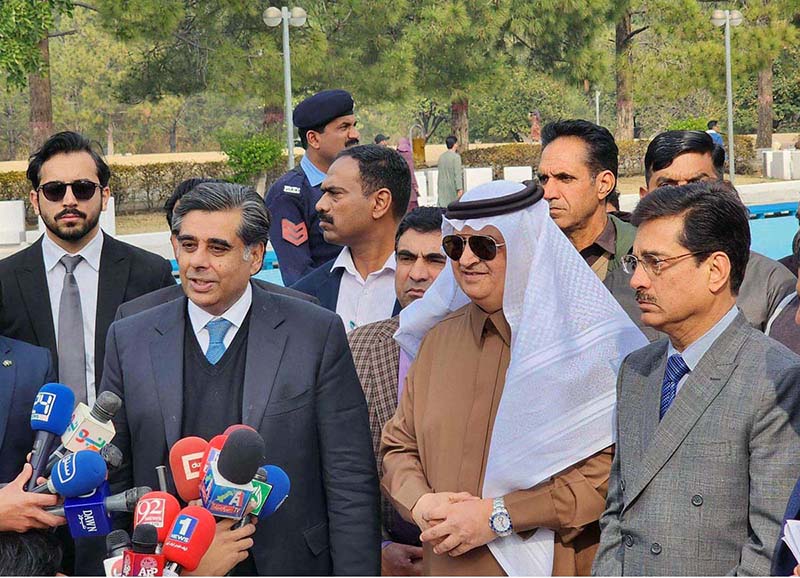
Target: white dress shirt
pixel 363 301
pixel 235 314
pixel 87 275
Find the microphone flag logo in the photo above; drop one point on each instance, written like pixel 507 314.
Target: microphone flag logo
pixel 66 468
pixel 43 406
pixel 150 511
pixel 183 528
pixel 191 465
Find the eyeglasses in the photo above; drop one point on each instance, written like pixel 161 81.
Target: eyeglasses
pixel 651 263
pixel 54 191
pixel 482 246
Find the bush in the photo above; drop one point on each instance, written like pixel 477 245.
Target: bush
pixel 696 123
pixel 251 156
pixel 747 160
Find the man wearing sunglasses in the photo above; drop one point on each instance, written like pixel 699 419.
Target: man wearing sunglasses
pixel 486 453
pixel 678 157
pixel 707 420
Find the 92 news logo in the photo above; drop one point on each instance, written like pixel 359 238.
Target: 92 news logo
pixel 150 511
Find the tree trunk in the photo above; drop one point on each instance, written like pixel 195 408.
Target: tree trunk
pixel 173 136
pixel 764 135
pixel 624 72
pixel 272 123
pixel 11 133
pixel 41 118
pixel 110 137
pixel 459 120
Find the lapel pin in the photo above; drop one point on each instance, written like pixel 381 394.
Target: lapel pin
pixel 8 363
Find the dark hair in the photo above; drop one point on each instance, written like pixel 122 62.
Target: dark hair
pixel 34 553
pixel 669 145
pixel 602 153
pixel 711 124
pixel 450 142
pixel 304 133
pixel 180 190
pixel 65 142
pixel 421 220
pixel 382 167
pixel 212 197
pixel 714 219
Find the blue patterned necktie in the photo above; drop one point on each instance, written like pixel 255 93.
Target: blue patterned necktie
pixel 676 369
pixel 217 328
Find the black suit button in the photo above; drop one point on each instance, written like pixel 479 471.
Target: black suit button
pixel 655 549
pixel 697 500
pixel 628 540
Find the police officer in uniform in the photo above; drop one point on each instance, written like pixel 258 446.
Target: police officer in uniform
pixel 326 125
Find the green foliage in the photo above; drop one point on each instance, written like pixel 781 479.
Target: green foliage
pixel 747 160
pixel 250 156
pixel 696 123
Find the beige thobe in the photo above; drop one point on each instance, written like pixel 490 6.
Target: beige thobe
pixel 438 441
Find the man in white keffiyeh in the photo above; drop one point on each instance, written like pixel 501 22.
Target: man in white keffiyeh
pixel 504 430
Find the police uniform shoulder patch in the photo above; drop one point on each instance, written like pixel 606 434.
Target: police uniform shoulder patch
pixel 291 190
pixel 294 234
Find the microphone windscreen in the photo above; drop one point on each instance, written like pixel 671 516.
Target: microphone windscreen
pixel 117 540
pixel 79 473
pixel 279 480
pixel 112 456
pixel 157 509
pixel 52 408
pixel 144 539
pixel 106 405
pixel 190 537
pixel 241 456
pixel 236 426
pixel 186 461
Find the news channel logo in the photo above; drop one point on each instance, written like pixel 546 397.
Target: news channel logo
pixel 43 406
pixel 183 528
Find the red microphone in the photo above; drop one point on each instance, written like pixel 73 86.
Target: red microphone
pixel 186 459
pixel 189 539
pixel 141 559
pixel 157 509
pixel 211 455
pixel 236 426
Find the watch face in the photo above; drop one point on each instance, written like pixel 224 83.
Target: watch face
pixel 501 522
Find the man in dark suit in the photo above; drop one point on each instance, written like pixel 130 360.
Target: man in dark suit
pixel 230 353
pixel 365 195
pixel 707 420
pixel 63 291
pixel 381 366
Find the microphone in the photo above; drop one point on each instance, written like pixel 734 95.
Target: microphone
pixel 116 543
pixel 281 485
pixel 87 515
pixel 89 429
pixel 189 539
pixel 236 426
pixel 185 461
pixel 212 453
pixel 227 486
pixel 141 559
pixel 112 456
pixel 123 502
pixel 75 475
pixel 157 509
pixel 50 416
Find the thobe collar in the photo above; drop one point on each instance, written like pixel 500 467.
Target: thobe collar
pixel 480 321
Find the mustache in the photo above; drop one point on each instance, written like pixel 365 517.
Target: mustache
pixel 643 297
pixel 66 212
pixel 351 142
pixel 324 217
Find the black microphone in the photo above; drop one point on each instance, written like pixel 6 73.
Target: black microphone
pixel 260 486
pixel 116 543
pixel 123 502
pixel 141 559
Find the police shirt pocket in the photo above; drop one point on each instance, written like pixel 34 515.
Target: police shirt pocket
pixel 279 406
pixel 317 538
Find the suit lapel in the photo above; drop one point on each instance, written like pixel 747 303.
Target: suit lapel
pixel 700 389
pixel 35 293
pixel 111 283
pixel 166 354
pixel 266 341
pixel 329 290
pixel 8 381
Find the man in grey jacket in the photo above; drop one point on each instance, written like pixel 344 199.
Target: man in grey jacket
pixel 707 420
pixel 450 183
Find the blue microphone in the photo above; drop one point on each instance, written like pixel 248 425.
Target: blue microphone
pixel 87 514
pixel 281 485
pixel 50 416
pixel 75 475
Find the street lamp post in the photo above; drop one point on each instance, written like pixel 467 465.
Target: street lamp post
pixel 296 17
pixel 728 18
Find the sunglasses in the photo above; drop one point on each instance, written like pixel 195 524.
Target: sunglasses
pixel 482 246
pixel 54 191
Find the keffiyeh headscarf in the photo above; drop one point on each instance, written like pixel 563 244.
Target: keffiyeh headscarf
pixel 568 339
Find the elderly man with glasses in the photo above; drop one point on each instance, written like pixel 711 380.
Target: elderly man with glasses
pixel 500 447
pixel 707 419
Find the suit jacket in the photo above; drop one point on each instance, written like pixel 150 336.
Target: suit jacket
pixel 167 294
pixel 24 368
pixel 702 492
pixel 126 272
pixel 323 283
pixel 783 561
pixel 301 393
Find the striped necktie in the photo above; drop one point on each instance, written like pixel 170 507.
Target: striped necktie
pixel 217 328
pixel 676 369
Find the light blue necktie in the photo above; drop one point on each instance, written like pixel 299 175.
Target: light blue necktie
pixel 217 328
pixel 676 369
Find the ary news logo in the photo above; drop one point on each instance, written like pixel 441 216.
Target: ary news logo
pixel 43 406
pixel 183 529
pixel 192 464
pixel 150 511
pixel 66 468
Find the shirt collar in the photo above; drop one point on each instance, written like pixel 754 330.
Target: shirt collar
pixel 345 261
pixel 313 174
pixel 479 321
pixel 235 313
pixel 606 241
pixel 91 253
pixel 695 351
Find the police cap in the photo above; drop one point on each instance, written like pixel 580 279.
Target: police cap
pixel 321 108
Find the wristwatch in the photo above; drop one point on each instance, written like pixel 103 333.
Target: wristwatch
pixel 500 520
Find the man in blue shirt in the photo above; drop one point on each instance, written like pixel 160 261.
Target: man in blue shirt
pixel 713 132
pixel 326 125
